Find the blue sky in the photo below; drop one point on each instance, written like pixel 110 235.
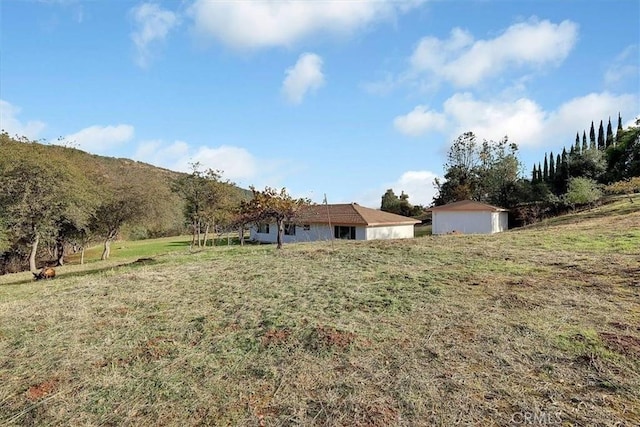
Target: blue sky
pixel 346 98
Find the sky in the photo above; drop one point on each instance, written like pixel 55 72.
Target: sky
pixel 343 98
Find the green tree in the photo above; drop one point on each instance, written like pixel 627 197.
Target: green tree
pixel 128 205
pixel 609 139
pixel 582 191
pixel 460 178
pixel 576 146
pixel 545 171
pixel 31 203
pixel 390 202
pixel 204 196
pixel 592 137
pixel 601 137
pixel 623 159
pixel 552 168
pixel 585 147
pixel 487 173
pixel 273 205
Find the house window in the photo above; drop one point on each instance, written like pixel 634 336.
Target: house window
pixel 263 228
pixel 306 227
pixel 344 232
pixel 289 229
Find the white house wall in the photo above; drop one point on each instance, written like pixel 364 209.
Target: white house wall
pixel 500 221
pixel 476 222
pixel 390 232
pixel 316 232
pixel 322 232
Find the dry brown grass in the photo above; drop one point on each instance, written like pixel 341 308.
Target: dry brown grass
pixel 476 330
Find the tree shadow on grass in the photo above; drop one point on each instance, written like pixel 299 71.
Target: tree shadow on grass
pixel 136 263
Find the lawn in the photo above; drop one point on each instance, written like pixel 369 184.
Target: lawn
pixel 539 324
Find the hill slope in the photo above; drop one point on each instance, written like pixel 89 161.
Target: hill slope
pixel 107 174
pixel 473 330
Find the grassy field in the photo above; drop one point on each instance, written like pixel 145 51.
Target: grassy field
pixel 538 326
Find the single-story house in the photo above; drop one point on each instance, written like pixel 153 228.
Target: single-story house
pixel 468 217
pixel 338 221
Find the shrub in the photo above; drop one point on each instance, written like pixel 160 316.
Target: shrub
pixel 582 191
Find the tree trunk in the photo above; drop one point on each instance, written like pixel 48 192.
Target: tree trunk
pixel 280 226
pixel 32 254
pixel 206 234
pixel 107 249
pixel 59 252
pixel 82 256
pixel 241 235
pixel 199 234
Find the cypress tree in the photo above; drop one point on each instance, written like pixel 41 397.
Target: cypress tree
pixel 545 171
pixel 534 174
pixel 601 137
pixel 592 137
pixel 619 130
pixel 619 124
pixel 539 173
pixel 585 147
pixel 562 173
pixel 609 140
pixel 552 167
pixel 576 147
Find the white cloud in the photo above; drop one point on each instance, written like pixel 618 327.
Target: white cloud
pixel 466 62
pixel 419 121
pixel 259 24
pixel 418 185
pixel 524 121
pixel 152 26
pixel 305 76
pixel 623 67
pixel 100 139
pixel 236 163
pixel 10 123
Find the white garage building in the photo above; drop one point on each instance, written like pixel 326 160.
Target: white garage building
pixel 468 217
pixel 338 221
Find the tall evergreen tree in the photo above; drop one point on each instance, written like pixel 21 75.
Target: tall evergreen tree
pixel 585 147
pixel 539 173
pixel 534 174
pixel 619 125
pixel 576 147
pixel 592 137
pixel 619 130
pixel 552 167
pixel 609 140
pixel 562 173
pixel 601 137
pixel 545 171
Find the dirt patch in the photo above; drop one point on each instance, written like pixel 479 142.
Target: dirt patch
pixel 275 337
pixel 43 389
pixel 328 338
pixel 624 344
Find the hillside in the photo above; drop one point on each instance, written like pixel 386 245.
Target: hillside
pixel 105 175
pixel 438 330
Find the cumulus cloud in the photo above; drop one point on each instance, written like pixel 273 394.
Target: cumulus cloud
pixel 10 123
pixel 101 139
pixel 152 26
pixel 419 121
pixel 524 121
pixel 305 76
pixel 417 184
pixel 259 24
pixel 465 62
pixel 236 163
